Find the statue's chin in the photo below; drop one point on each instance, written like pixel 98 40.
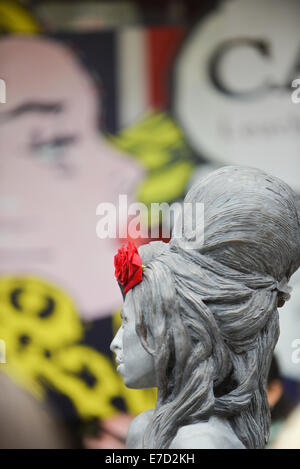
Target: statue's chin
pixel 134 382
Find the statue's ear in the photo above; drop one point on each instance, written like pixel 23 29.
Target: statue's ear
pixel 280 301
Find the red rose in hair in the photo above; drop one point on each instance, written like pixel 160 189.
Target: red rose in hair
pixel 128 266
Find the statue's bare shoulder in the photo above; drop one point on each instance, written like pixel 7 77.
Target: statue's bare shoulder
pixel 214 434
pixel 137 429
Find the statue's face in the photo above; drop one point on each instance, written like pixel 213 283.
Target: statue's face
pixel 135 364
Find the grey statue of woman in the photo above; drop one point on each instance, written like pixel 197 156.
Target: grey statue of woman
pixel 201 324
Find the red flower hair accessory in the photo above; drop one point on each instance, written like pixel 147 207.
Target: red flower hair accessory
pixel 128 267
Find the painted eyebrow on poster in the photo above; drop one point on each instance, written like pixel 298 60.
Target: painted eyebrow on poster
pixel 30 107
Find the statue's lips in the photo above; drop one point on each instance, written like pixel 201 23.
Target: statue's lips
pixel 119 364
pixel 119 361
pixel 120 368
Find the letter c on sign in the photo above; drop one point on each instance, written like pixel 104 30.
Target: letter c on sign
pixel 219 55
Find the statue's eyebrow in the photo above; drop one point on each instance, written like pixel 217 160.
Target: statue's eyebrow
pixel 31 107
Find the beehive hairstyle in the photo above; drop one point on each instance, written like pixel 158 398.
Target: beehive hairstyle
pixel 208 315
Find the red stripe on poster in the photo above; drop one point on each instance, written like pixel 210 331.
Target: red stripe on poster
pixel 163 43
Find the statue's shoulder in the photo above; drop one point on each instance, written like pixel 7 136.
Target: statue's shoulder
pixel 137 429
pixel 214 434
